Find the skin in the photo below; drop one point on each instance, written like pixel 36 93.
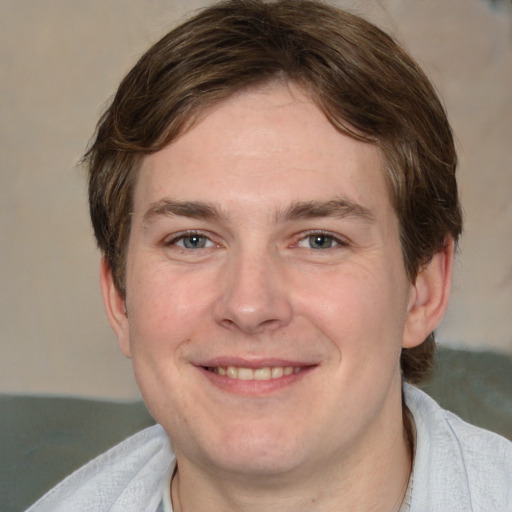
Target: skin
pixel 296 262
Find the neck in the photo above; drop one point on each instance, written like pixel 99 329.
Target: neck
pixel 367 484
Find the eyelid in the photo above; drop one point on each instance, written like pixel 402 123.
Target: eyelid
pixel 338 239
pixel 173 239
pixel 176 237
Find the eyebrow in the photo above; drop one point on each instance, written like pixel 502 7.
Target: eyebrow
pixel 338 208
pixel 191 209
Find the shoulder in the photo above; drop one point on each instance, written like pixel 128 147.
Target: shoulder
pixel 128 477
pixel 456 462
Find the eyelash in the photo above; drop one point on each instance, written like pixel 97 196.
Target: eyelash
pixel 337 240
pixel 303 237
pixel 188 234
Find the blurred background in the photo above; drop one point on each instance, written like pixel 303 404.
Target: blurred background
pixel 61 60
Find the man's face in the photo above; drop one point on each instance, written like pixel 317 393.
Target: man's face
pixel 266 294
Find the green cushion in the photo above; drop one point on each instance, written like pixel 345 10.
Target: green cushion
pixel 475 385
pixel 43 439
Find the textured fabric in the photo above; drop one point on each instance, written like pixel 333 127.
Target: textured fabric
pixel 127 478
pixel 406 504
pixel 457 468
pixel 165 504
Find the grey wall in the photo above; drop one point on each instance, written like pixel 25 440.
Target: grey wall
pixel 62 59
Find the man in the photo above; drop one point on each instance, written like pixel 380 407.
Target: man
pixel 273 191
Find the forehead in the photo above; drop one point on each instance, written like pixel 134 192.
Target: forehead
pixel 270 144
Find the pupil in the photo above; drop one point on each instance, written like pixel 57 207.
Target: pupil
pixel 320 241
pixel 193 242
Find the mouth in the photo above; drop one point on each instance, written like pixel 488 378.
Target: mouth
pixel 261 374
pixel 255 378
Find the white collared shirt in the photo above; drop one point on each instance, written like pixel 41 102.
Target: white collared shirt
pixel 457 468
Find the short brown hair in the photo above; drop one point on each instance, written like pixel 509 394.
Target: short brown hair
pixel 366 84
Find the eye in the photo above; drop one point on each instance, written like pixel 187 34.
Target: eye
pixel 192 241
pixel 319 241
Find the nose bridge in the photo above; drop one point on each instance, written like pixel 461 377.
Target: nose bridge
pixel 254 295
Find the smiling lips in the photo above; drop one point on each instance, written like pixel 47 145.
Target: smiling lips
pixel 266 373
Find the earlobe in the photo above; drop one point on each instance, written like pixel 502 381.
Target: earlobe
pixel 115 307
pixel 429 296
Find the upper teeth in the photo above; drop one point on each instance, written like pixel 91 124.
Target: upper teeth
pixel 266 373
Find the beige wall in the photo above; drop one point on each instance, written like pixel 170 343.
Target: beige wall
pixel 62 59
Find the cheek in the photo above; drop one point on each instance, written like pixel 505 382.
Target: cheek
pixel 361 310
pixel 164 309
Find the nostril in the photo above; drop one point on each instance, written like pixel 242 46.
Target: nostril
pixel 253 297
pixel 253 324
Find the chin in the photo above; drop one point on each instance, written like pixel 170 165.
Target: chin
pixel 259 464
pixel 255 451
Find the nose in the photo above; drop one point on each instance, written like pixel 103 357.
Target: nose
pixel 254 297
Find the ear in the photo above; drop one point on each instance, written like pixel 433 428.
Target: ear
pixel 115 307
pixel 429 296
